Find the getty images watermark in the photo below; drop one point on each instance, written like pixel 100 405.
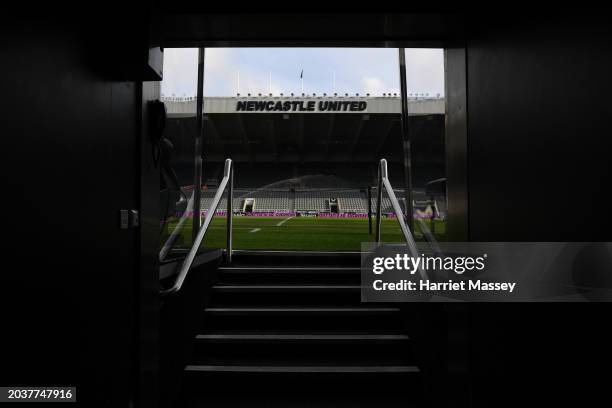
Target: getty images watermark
pixel 412 265
pixel 487 272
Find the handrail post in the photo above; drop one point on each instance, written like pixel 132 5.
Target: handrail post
pixel 197 179
pixel 369 209
pixel 177 229
pixel 379 202
pixel 407 141
pixel 383 181
pixel 230 213
pixel 226 182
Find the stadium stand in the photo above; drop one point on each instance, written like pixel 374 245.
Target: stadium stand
pixel 291 200
pixel 352 201
pixel 312 200
pixel 273 200
pixel 207 197
pixel 386 204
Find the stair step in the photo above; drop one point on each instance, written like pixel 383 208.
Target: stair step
pixel 300 318
pixel 290 275
pixel 301 337
pixel 292 369
pixel 293 356
pixel 296 258
pixel 289 269
pixel 309 399
pixel 258 311
pixel 284 288
pixel 303 348
pixel 272 380
pixel 276 295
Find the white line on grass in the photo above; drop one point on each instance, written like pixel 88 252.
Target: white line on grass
pixel 223 227
pixel 280 224
pixel 256 229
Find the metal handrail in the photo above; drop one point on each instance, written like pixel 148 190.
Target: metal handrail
pixel 227 181
pixel 177 230
pixel 429 236
pixel 383 182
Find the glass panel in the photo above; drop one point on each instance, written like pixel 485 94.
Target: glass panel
pixel 426 109
pixel 176 150
pixel 306 129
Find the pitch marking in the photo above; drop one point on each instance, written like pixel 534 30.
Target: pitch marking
pixel 280 224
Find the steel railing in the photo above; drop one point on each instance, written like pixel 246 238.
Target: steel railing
pixel 384 183
pixel 177 230
pixel 226 182
pixel 429 236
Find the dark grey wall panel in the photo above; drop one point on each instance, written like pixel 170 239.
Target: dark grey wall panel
pixel 539 145
pixel 70 276
pixel 347 27
pixel 148 351
pixel 456 144
pixel 538 92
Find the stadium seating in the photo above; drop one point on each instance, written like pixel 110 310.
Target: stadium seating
pixel 317 200
pixel 207 197
pixel 352 201
pixel 273 200
pixel 311 200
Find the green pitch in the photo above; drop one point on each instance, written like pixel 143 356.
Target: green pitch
pixel 295 233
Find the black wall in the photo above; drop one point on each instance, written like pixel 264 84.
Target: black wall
pixel 538 97
pixel 149 234
pixel 538 113
pixel 71 145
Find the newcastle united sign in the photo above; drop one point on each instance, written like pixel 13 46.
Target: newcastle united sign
pixel 287 105
pixel 303 106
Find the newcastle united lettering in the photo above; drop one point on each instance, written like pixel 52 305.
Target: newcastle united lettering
pixel 300 106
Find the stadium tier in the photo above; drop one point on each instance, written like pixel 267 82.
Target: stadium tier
pixel 320 201
pixel 338 150
pixel 318 162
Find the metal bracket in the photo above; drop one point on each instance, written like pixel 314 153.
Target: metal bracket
pixel 134 218
pixel 129 219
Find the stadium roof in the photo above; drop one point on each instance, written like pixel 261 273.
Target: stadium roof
pixel 305 129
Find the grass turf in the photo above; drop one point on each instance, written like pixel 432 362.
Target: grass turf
pixel 295 233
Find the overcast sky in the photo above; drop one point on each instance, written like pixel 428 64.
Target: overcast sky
pixel 248 70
